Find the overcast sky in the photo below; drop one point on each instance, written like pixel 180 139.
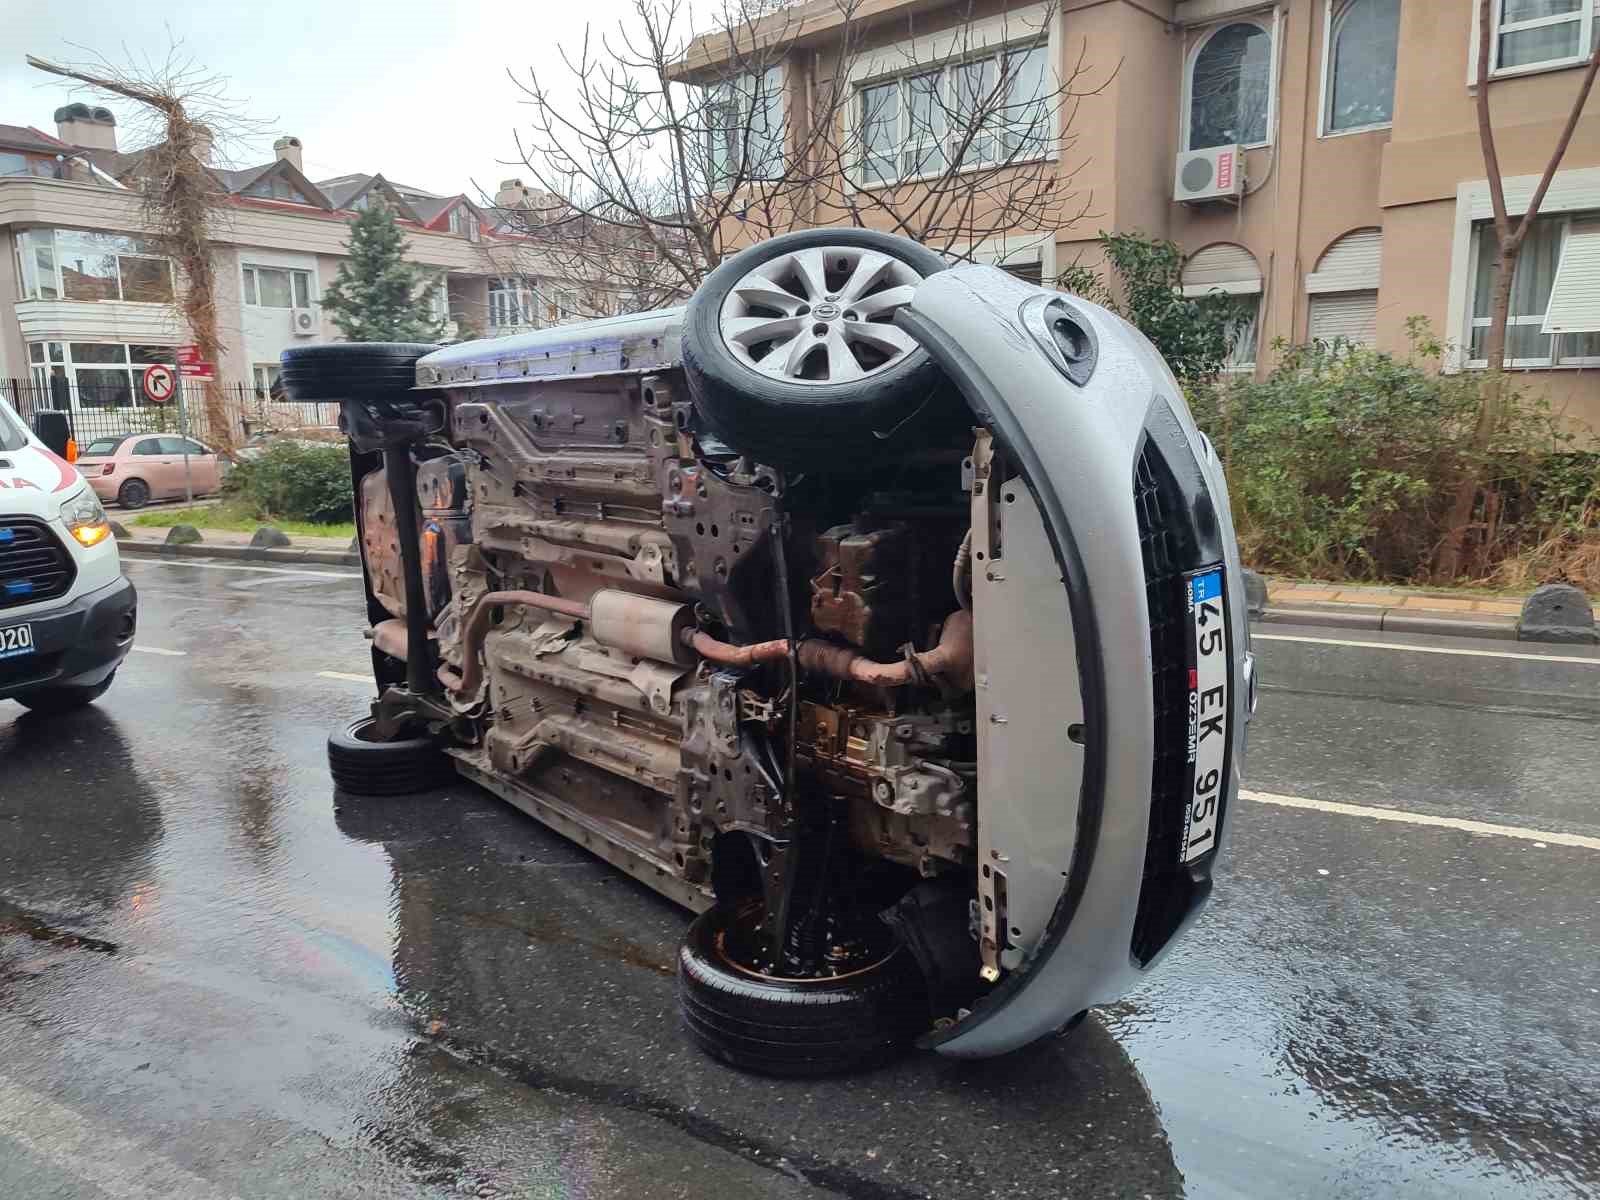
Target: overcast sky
pixel 416 91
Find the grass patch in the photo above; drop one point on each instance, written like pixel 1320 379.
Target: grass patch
pixel 240 518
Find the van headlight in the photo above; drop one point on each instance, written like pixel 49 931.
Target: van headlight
pixel 85 519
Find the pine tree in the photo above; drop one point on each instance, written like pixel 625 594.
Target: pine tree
pixel 378 296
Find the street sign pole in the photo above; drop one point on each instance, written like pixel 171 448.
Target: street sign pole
pixel 183 434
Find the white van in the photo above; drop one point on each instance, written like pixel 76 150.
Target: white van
pixel 67 615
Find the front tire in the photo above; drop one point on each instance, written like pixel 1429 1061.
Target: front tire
pixel 362 766
pixel 795 1027
pixel 52 701
pixel 791 351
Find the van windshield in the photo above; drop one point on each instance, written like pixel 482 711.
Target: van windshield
pixel 13 435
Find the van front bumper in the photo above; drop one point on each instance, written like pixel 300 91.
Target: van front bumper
pixel 76 644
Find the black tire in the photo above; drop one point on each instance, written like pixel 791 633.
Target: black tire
pixel 52 701
pixel 135 493
pixel 350 370
pixel 797 424
pixel 795 1027
pixel 361 767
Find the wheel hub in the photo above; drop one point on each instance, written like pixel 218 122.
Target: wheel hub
pixel 822 315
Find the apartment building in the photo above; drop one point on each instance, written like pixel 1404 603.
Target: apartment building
pixel 87 301
pixel 1318 158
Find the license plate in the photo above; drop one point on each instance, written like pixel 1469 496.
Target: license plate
pixel 16 640
pixel 1209 712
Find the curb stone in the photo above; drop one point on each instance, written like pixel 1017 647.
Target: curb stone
pixel 328 558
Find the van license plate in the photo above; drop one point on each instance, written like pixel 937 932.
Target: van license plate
pixel 16 640
pixel 1209 712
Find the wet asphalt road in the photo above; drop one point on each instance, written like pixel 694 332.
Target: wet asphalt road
pixel 216 981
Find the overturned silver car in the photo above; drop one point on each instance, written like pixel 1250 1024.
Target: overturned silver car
pixel 887 614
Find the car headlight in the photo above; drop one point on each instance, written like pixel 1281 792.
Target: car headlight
pixel 85 519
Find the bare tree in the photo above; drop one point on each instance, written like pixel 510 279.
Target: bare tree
pixel 1509 235
pixel 186 116
pixel 675 150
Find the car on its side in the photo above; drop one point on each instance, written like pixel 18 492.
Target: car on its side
pixel 883 612
pixel 67 614
pixel 135 468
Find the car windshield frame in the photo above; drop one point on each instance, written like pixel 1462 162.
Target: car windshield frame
pixel 13 433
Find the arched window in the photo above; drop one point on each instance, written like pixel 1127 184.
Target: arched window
pixel 1230 270
pixel 1230 87
pixel 1343 290
pixel 1363 42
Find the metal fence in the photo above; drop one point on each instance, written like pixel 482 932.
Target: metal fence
pixel 248 410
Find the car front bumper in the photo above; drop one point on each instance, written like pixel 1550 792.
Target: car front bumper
pixel 76 644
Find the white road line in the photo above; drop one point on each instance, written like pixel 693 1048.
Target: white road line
pixel 1547 658
pixel 213 566
pixel 92 1153
pixel 159 650
pixel 1414 818
pixel 367 679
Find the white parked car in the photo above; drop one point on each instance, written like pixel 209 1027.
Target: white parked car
pixel 67 614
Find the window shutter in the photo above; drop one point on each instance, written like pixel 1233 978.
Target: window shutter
pixel 1221 268
pixel 1575 296
pixel 1350 315
pixel 1353 263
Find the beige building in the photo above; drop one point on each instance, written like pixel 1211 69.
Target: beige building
pixel 1319 155
pixel 86 302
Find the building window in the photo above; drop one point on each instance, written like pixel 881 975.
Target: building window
pixel 974 113
pixel 12 163
pixel 463 222
pixel 1363 43
pixel 1229 95
pixel 1536 35
pixel 744 123
pixel 1230 270
pixel 266 378
pixel 85 375
pixel 277 287
pixel 1528 344
pixel 510 304
pixel 276 188
pixel 66 264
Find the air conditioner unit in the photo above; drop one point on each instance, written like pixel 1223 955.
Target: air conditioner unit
pixel 1216 173
pixel 303 321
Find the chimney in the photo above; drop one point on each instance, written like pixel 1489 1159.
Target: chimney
pixel 203 142
pixel 511 194
pixel 88 128
pixel 288 149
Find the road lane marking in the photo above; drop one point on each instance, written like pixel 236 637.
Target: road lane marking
pixel 159 650
pixel 1486 828
pixel 1411 646
pixel 92 1153
pixel 344 675
pixel 215 566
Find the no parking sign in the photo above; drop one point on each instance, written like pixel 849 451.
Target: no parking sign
pixel 159 384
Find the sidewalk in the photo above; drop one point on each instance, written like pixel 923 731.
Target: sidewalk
pixel 148 542
pixel 1395 609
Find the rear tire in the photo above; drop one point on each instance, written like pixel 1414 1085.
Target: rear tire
pixel 52 701
pixel 801 1027
pixel 362 767
pixel 134 494
pixel 350 370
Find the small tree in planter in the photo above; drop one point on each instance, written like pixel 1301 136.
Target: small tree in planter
pixel 377 295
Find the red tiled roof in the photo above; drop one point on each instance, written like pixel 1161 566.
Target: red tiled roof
pixel 26 137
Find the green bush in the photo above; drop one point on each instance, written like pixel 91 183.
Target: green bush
pixel 1344 463
pixel 297 482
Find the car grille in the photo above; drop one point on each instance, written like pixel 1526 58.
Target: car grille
pixel 34 565
pixel 1169 889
